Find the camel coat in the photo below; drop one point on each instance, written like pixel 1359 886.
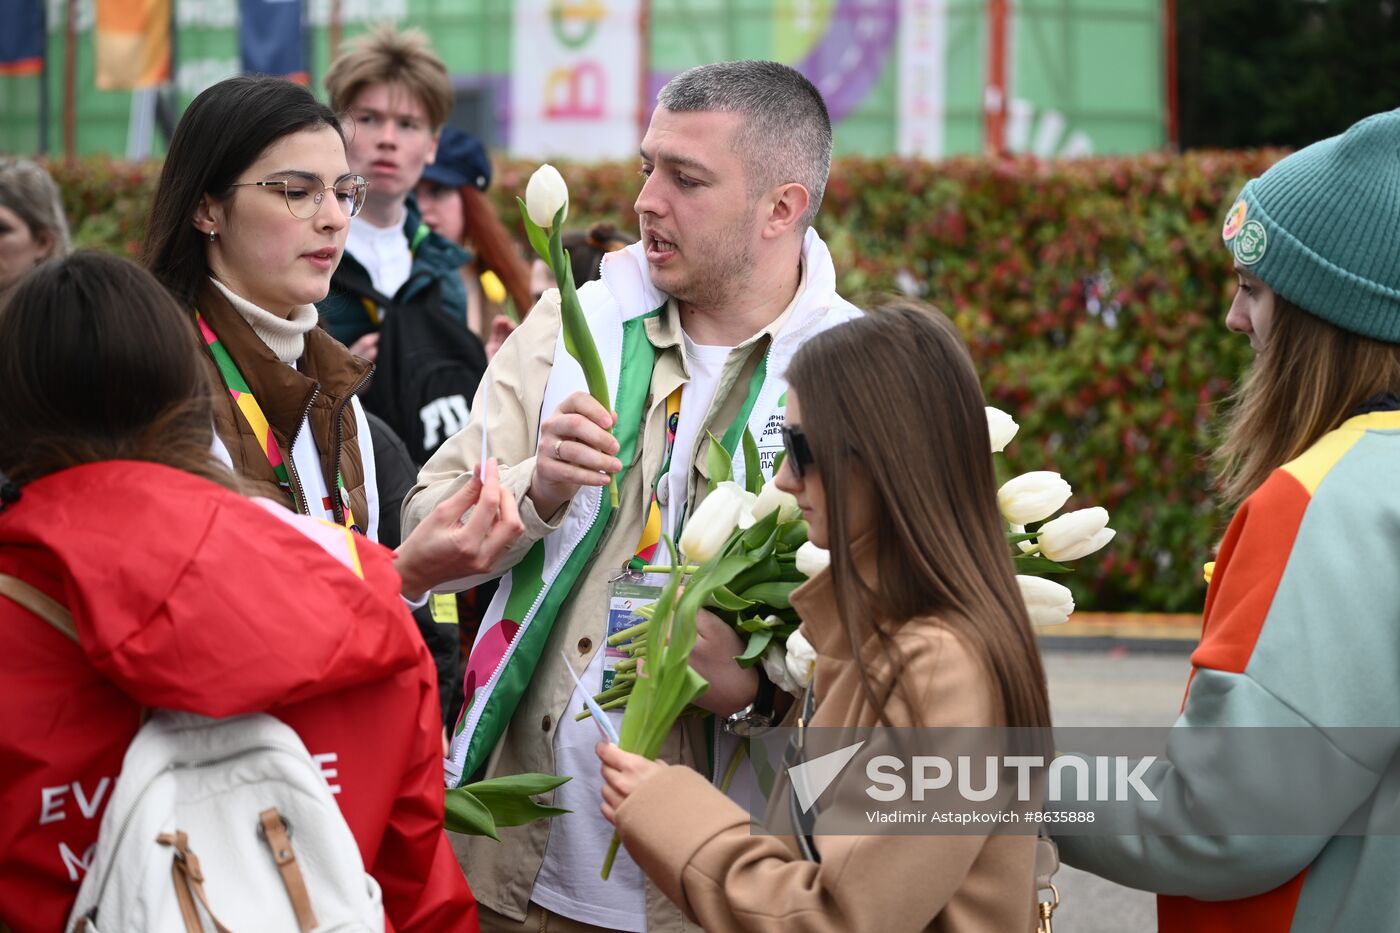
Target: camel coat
pixel 697 845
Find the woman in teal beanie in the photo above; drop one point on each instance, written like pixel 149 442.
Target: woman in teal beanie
pixel 1295 828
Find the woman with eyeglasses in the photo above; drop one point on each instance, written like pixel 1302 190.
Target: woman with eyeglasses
pixel 918 621
pixel 249 222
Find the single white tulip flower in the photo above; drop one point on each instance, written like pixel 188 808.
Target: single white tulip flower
pixel 715 520
pixel 545 194
pixel 1075 534
pixel 771 498
pixel 1032 497
pixel 1002 428
pixel 1047 602
pixel 775 666
pixel 801 659
pixel 812 560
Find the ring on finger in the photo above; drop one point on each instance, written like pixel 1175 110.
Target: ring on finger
pixel 557 445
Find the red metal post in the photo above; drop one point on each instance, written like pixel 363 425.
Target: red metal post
pixel 994 95
pixel 643 67
pixel 333 30
pixel 1173 104
pixel 70 81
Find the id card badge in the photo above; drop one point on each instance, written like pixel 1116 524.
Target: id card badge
pixel 628 593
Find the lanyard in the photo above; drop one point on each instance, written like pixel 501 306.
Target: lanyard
pixel 651 531
pixel 252 412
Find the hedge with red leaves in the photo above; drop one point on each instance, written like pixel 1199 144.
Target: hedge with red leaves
pixel 1092 294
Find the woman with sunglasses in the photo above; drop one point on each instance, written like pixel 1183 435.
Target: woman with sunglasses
pixel 249 222
pixel 917 622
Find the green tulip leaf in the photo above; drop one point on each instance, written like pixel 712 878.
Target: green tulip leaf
pixel 753 473
pixel 758 643
pixel 792 535
pixel 515 810
pixel 759 572
pixel 527 784
pixel 717 462
pixel 772 594
pixel 760 538
pixel 464 813
pixel 537 237
pixel 1035 565
pixel 724 598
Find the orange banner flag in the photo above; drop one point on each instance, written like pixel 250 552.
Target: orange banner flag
pixel 133 44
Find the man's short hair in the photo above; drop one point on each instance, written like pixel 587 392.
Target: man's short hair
pixel 786 132
pixel 386 56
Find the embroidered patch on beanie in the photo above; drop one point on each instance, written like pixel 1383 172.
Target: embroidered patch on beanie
pixel 1235 220
pixel 1251 243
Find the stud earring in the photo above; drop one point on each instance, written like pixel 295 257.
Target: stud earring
pixel 212 235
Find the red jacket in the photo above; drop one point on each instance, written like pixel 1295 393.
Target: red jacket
pixel 187 596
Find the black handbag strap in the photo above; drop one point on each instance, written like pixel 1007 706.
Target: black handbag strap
pixel 803 823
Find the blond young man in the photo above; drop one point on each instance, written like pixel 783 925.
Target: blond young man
pixel 394 95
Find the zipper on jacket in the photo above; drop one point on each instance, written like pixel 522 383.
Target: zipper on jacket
pixel 474 714
pixel 297 488
pixel 333 481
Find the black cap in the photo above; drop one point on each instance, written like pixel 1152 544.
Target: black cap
pixel 461 161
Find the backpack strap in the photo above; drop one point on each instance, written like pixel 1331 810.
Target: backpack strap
pixel 189 883
pixel 279 840
pixel 40 603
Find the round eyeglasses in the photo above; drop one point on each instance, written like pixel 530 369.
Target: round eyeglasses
pixel 304 198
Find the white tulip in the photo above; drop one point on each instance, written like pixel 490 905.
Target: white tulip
pixel 801 659
pixel 1047 602
pixel 812 560
pixel 723 510
pixel 775 666
pixel 771 498
pixel 1075 534
pixel 545 194
pixel 1032 497
pixel 1002 428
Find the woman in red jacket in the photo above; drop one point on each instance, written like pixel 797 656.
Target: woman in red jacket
pixel 183 593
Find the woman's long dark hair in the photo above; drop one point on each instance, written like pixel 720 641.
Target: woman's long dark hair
pixel 224 131
pixel 98 362
pixel 892 402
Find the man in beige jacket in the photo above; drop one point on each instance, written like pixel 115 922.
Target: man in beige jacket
pixel 695 325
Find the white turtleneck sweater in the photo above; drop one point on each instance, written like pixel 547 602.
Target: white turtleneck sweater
pixel 286 337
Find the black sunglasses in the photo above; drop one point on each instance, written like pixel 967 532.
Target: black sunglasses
pixel 796 451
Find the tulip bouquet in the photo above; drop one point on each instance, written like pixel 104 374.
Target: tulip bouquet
pixel 1042 545
pixel 746 550
pixel 543 211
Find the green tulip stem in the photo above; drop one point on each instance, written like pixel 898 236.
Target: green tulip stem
pixel 740 754
pixel 628 634
pixel 612 854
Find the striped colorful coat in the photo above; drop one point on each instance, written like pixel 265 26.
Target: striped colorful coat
pixel 1302 630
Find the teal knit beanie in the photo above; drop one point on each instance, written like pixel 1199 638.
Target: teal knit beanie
pixel 1322 228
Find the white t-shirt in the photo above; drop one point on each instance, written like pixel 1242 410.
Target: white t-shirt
pixel 384 253
pixel 568 882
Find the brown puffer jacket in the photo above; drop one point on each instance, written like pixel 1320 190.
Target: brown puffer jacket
pixel 316 394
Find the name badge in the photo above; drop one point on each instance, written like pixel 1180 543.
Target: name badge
pixel 627 595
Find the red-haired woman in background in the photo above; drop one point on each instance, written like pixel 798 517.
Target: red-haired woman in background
pixel 452 197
